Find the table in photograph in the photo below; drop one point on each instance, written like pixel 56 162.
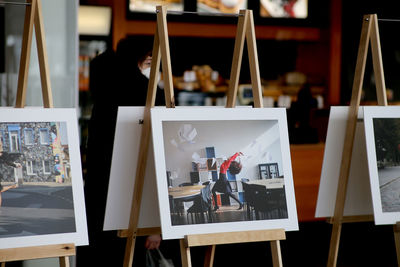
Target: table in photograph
pixel 185 191
pixel 269 183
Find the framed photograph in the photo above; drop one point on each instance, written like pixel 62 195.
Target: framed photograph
pixel 149 6
pixel 247 137
pixel 297 9
pixel 382 133
pixel 146 9
pixel 221 6
pixel 42 201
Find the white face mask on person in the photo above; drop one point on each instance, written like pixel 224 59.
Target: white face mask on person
pixel 146 73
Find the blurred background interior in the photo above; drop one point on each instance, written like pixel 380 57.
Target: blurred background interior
pixel 306 50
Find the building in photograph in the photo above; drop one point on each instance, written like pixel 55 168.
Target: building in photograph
pixel 41 149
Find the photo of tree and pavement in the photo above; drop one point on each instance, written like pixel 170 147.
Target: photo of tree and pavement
pixel 387 147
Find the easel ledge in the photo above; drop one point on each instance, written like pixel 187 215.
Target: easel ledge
pixel 353 219
pixel 234 237
pixel 39 252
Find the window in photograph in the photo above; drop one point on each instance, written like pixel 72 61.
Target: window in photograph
pixel 44 136
pixel 14 144
pixel 46 167
pixel 29 167
pixel 29 137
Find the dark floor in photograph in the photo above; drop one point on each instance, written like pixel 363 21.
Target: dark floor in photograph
pixel 37 210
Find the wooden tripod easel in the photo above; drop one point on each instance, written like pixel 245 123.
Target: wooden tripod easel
pixel 33 17
pixel 246 31
pixel 369 33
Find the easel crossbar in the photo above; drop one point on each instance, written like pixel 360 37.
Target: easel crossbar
pixel 39 252
pixel 234 237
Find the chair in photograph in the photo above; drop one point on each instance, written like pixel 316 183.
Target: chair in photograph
pixel 266 205
pixel 248 200
pixel 179 205
pixel 174 212
pixel 201 210
pixel 278 195
pixel 185 184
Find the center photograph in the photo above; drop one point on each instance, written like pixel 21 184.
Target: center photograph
pixel 223 170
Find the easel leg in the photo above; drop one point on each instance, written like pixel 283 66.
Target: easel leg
pixel 396 231
pixel 185 254
pixel 3 264
pixel 334 245
pixel 209 258
pixel 276 253
pixel 64 261
pixel 129 250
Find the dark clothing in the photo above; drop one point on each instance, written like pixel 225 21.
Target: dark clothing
pixel 222 185
pixel 115 80
pixel 299 118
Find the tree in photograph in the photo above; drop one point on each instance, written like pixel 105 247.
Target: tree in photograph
pixel 387 141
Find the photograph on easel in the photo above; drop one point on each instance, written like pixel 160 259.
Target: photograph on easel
pixel 41 199
pixel 221 6
pixel 382 131
pixel 194 198
pixel 284 8
pixel 150 5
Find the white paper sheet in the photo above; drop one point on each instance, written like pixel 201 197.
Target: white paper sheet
pixel 123 172
pixel 358 198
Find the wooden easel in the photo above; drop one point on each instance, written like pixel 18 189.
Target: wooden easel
pixel 33 17
pixel 369 33
pixel 246 31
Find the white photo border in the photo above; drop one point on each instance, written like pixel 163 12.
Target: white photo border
pixel 370 113
pixel 170 231
pixel 68 115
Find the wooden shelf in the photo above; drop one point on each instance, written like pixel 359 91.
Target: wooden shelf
pixel 306 166
pixel 123 27
pixel 223 30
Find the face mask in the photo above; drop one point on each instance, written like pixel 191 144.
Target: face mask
pixel 146 72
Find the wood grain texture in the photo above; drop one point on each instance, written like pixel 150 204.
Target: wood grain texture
pixel 234 237
pixel 38 252
pixel 25 53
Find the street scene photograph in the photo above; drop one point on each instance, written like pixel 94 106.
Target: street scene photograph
pixel 35 179
pixel 387 146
